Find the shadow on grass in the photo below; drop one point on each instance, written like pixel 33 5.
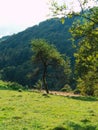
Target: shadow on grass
pixel 59 128
pixel 74 126
pixel 85 98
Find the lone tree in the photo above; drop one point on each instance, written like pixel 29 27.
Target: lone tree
pixel 48 56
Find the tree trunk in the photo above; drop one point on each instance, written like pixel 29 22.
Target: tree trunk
pixel 44 79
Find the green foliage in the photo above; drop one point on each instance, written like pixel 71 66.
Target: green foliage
pixel 16 53
pixel 3 85
pixel 62 8
pixel 48 57
pixel 14 86
pixel 85 31
pixel 87 54
pixel 96 90
pixel 33 111
pixel 20 90
pixel 88 84
pixel 56 9
pixel 10 85
pixel 77 91
pixel 46 53
pixel 38 85
pixel 66 88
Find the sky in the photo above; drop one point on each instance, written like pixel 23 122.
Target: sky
pixel 17 15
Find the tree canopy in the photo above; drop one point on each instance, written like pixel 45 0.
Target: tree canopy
pixel 48 56
pixel 15 52
pixel 85 32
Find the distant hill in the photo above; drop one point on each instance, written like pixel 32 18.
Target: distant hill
pixel 15 50
pixel 4 38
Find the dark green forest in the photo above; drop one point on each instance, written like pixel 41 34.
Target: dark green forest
pixel 74 38
pixel 15 51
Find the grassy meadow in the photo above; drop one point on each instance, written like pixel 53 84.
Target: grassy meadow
pixel 36 111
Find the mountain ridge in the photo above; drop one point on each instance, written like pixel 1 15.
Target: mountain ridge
pixel 15 51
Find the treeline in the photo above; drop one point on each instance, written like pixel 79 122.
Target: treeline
pixel 76 40
pixel 15 52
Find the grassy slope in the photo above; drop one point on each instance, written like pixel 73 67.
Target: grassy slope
pixel 33 111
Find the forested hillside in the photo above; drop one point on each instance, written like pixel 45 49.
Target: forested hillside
pixel 15 50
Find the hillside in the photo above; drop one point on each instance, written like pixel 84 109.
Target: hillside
pixel 4 38
pixel 15 51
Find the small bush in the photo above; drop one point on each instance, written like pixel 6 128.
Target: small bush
pixel 10 85
pixel 77 91
pixel 3 85
pixel 66 88
pixel 14 86
pixel 88 84
pixel 38 85
pixel 19 90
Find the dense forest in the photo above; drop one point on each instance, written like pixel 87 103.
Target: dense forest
pixel 74 37
pixel 15 51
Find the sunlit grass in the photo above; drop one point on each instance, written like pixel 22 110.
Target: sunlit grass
pixel 35 111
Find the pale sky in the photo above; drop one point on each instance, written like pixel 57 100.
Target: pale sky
pixel 16 15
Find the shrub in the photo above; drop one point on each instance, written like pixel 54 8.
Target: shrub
pixel 19 90
pixel 38 85
pixel 14 86
pixel 3 85
pixel 88 84
pixel 10 85
pixel 77 91
pixel 66 88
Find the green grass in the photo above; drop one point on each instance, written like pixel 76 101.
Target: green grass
pixel 35 111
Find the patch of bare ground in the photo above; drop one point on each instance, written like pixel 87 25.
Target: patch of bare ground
pixel 70 94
